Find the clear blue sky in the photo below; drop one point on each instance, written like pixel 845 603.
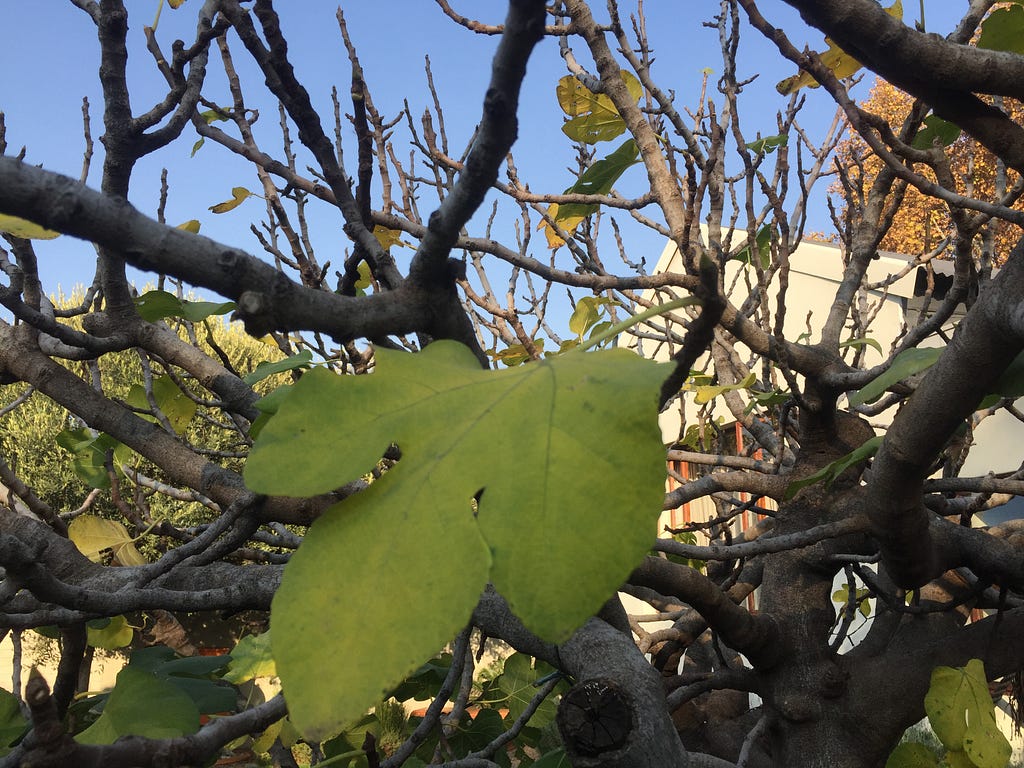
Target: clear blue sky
pixel 49 57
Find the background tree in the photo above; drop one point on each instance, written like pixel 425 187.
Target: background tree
pixel 921 223
pixel 433 499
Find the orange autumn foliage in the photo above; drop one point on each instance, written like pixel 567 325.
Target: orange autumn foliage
pixel 922 221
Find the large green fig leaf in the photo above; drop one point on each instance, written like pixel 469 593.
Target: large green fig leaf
pixel 142 704
pixel 564 457
pixel 961 713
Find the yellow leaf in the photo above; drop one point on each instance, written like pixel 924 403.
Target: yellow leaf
pixel 835 58
pixel 593 116
pixel 92 535
pixel 176 3
pixel 128 554
pixel 192 225
pixel 568 224
pixel 238 195
pixel 388 237
pixel 576 99
pixel 12 225
pixel 365 276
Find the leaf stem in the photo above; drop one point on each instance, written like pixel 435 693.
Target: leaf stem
pixel 618 328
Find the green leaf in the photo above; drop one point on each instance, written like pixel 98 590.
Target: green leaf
pixel 250 659
pixel 426 681
pixel 935 128
pixel 133 709
pixel 89 454
pixel 516 354
pixel 194 676
pixel 906 363
pixel 116 632
pixel 912 755
pixel 593 435
pixel 554 759
pixel 862 342
pixel 516 682
pixel 766 399
pixel 768 144
pixel 12 724
pixel 197 146
pixel 1011 382
pixel 830 472
pixel 961 713
pixel 708 393
pixel 191 666
pixel 698 437
pixel 586 314
pixel 265 369
pixel 24 228
pixel 208 696
pixel 764 250
pixel 212 116
pixel 477 732
pixel 599 179
pixel 271 402
pixel 156 305
pixel 593 116
pixel 178 407
pixel 1003 30
pixel 842 596
pixel 238 196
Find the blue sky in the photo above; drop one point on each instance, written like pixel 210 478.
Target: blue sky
pixel 49 57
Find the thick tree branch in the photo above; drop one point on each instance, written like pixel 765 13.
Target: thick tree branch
pixel 267 299
pixel 751 634
pixel 986 342
pixel 944 74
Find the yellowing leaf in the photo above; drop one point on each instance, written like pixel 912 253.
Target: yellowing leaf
pixel 960 712
pixel 110 633
pixel 388 237
pixel 593 434
pixel 593 116
pixel 365 277
pixel 92 535
pixel 178 407
pixel 569 224
pixel 576 99
pixel 251 658
pixel 912 755
pixel 835 58
pixel 176 3
pixel 238 195
pixel 24 228
pixel 192 225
